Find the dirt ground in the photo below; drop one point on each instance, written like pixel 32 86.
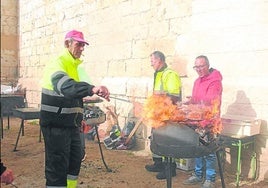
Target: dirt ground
pixel 127 165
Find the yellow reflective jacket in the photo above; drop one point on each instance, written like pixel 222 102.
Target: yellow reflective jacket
pixel 62 93
pixel 168 81
pixel 65 63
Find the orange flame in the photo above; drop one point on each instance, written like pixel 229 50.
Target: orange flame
pixel 159 109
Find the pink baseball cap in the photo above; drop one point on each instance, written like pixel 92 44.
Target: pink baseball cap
pixel 76 35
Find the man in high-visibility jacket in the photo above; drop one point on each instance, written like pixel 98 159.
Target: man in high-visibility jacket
pixel 62 113
pixel 166 81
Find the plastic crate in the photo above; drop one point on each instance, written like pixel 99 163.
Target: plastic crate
pixel 185 164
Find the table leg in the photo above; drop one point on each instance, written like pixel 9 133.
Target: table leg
pixel 22 131
pixel 21 127
pixel 8 121
pixel 238 169
pixel 2 127
pixel 253 162
pixel 253 166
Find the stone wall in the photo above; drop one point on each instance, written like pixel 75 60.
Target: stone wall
pixel 9 42
pixel 123 33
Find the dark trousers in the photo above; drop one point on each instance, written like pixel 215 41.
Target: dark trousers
pixel 63 154
pixel 83 143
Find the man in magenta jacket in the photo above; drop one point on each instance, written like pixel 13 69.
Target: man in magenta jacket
pixel 207 88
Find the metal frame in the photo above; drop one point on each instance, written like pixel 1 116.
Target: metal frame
pixel 240 143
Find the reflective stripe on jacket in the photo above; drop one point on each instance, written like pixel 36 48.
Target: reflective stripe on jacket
pixel 62 93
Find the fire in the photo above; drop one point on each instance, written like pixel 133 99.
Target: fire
pixel 159 109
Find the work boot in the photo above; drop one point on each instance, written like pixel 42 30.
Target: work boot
pixel 208 184
pixel 158 165
pixel 162 175
pixel 192 180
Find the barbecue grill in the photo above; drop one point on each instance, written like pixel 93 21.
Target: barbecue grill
pixel 94 116
pixel 181 141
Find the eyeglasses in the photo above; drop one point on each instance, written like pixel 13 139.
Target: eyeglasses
pixel 199 67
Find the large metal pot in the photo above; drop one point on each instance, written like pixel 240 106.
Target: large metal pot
pixel 179 141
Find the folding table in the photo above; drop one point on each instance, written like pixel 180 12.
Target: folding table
pixel 26 114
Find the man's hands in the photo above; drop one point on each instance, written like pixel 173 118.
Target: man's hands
pixel 7 176
pixel 102 91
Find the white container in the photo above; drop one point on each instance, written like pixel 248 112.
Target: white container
pixel 185 164
pixel 240 127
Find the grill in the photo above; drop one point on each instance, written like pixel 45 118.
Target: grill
pixel 181 141
pixel 94 116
